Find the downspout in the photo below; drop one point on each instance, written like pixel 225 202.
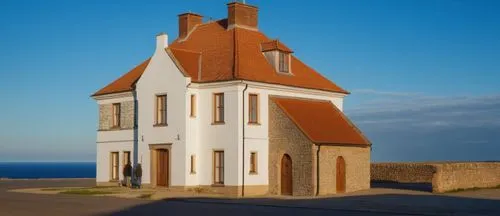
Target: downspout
pixel 317 169
pixel 243 144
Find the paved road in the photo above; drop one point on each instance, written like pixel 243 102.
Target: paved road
pixel 379 201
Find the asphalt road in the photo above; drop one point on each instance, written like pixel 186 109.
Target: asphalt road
pixel 375 202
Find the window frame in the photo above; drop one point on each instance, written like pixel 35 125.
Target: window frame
pixel 255 121
pixel 218 179
pixel 218 109
pixel 193 106
pixel 164 112
pixel 116 109
pixel 253 169
pixel 284 62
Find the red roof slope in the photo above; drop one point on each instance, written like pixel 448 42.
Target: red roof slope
pixel 125 82
pixel 321 121
pixel 234 54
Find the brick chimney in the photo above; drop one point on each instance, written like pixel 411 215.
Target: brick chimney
pixel 187 21
pixel 242 15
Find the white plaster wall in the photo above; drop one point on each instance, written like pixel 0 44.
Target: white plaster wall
pixel 225 137
pixel 192 138
pixel 163 77
pixel 103 163
pixel 112 141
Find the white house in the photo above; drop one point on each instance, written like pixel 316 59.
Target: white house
pixel 226 108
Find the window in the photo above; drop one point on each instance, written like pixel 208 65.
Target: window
pixel 193 164
pixel 116 115
pixel 219 108
pixel 253 162
pixel 253 109
pixel 193 105
pixel 126 158
pixel 115 172
pixel 284 62
pixel 218 167
pixel 161 110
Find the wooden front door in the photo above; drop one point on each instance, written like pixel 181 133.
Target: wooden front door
pixel 340 175
pixel 286 175
pixel 162 167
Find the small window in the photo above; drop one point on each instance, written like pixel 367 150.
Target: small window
pixel 161 110
pixel 284 62
pixel 253 109
pixel 116 115
pixel 253 162
pixel 193 164
pixel 193 105
pixel 115 171
pixel 219 108
pixel 126 158
pixel 218 167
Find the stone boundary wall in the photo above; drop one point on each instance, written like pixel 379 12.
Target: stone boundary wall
pixel 402 172
pixel 444 176
pixel 454 176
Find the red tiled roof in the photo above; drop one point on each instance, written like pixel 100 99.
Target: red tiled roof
pixel 275 45
pixel 125 82
pixel 321 121
pixel 234 54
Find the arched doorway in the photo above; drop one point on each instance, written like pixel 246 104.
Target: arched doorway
pixel 162 167
pixel 286 175
pixel 340 175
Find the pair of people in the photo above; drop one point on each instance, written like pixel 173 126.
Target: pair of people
pixel 137 174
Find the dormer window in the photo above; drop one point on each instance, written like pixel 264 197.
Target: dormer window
pixel 284 62
pixel 278 55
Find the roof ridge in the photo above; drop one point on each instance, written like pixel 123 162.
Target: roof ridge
pixel 185 50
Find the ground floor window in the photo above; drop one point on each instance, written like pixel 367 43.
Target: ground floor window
pixel 115 171
pixel 218 167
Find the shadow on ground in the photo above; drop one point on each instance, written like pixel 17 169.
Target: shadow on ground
pixel 387 204
pixel 426 187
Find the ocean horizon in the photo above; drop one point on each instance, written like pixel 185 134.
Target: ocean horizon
pixel 47 170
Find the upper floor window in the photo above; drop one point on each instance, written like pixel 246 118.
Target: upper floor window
pixel 161 110
pixel 219 108
pixel 193 105
pixel 116 115
pixel 253 109
pixel 284 62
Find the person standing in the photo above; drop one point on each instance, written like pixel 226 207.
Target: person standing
pixel 127 173
pixel 138 175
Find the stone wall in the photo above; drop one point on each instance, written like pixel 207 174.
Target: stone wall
pixel 357 162
pixel 286 138
pixel 453 176
pixel 126 115
pixel 402 172
pixel 444 176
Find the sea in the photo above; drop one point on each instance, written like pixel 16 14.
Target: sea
pixel 47 170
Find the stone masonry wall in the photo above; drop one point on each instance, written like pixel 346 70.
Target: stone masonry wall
pixel 357 162
pixel 453 176
pixel 126 115
pixel 402 172
pixel 286 138
pixel 444 176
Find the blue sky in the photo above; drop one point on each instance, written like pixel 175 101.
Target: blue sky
pixel 424 75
